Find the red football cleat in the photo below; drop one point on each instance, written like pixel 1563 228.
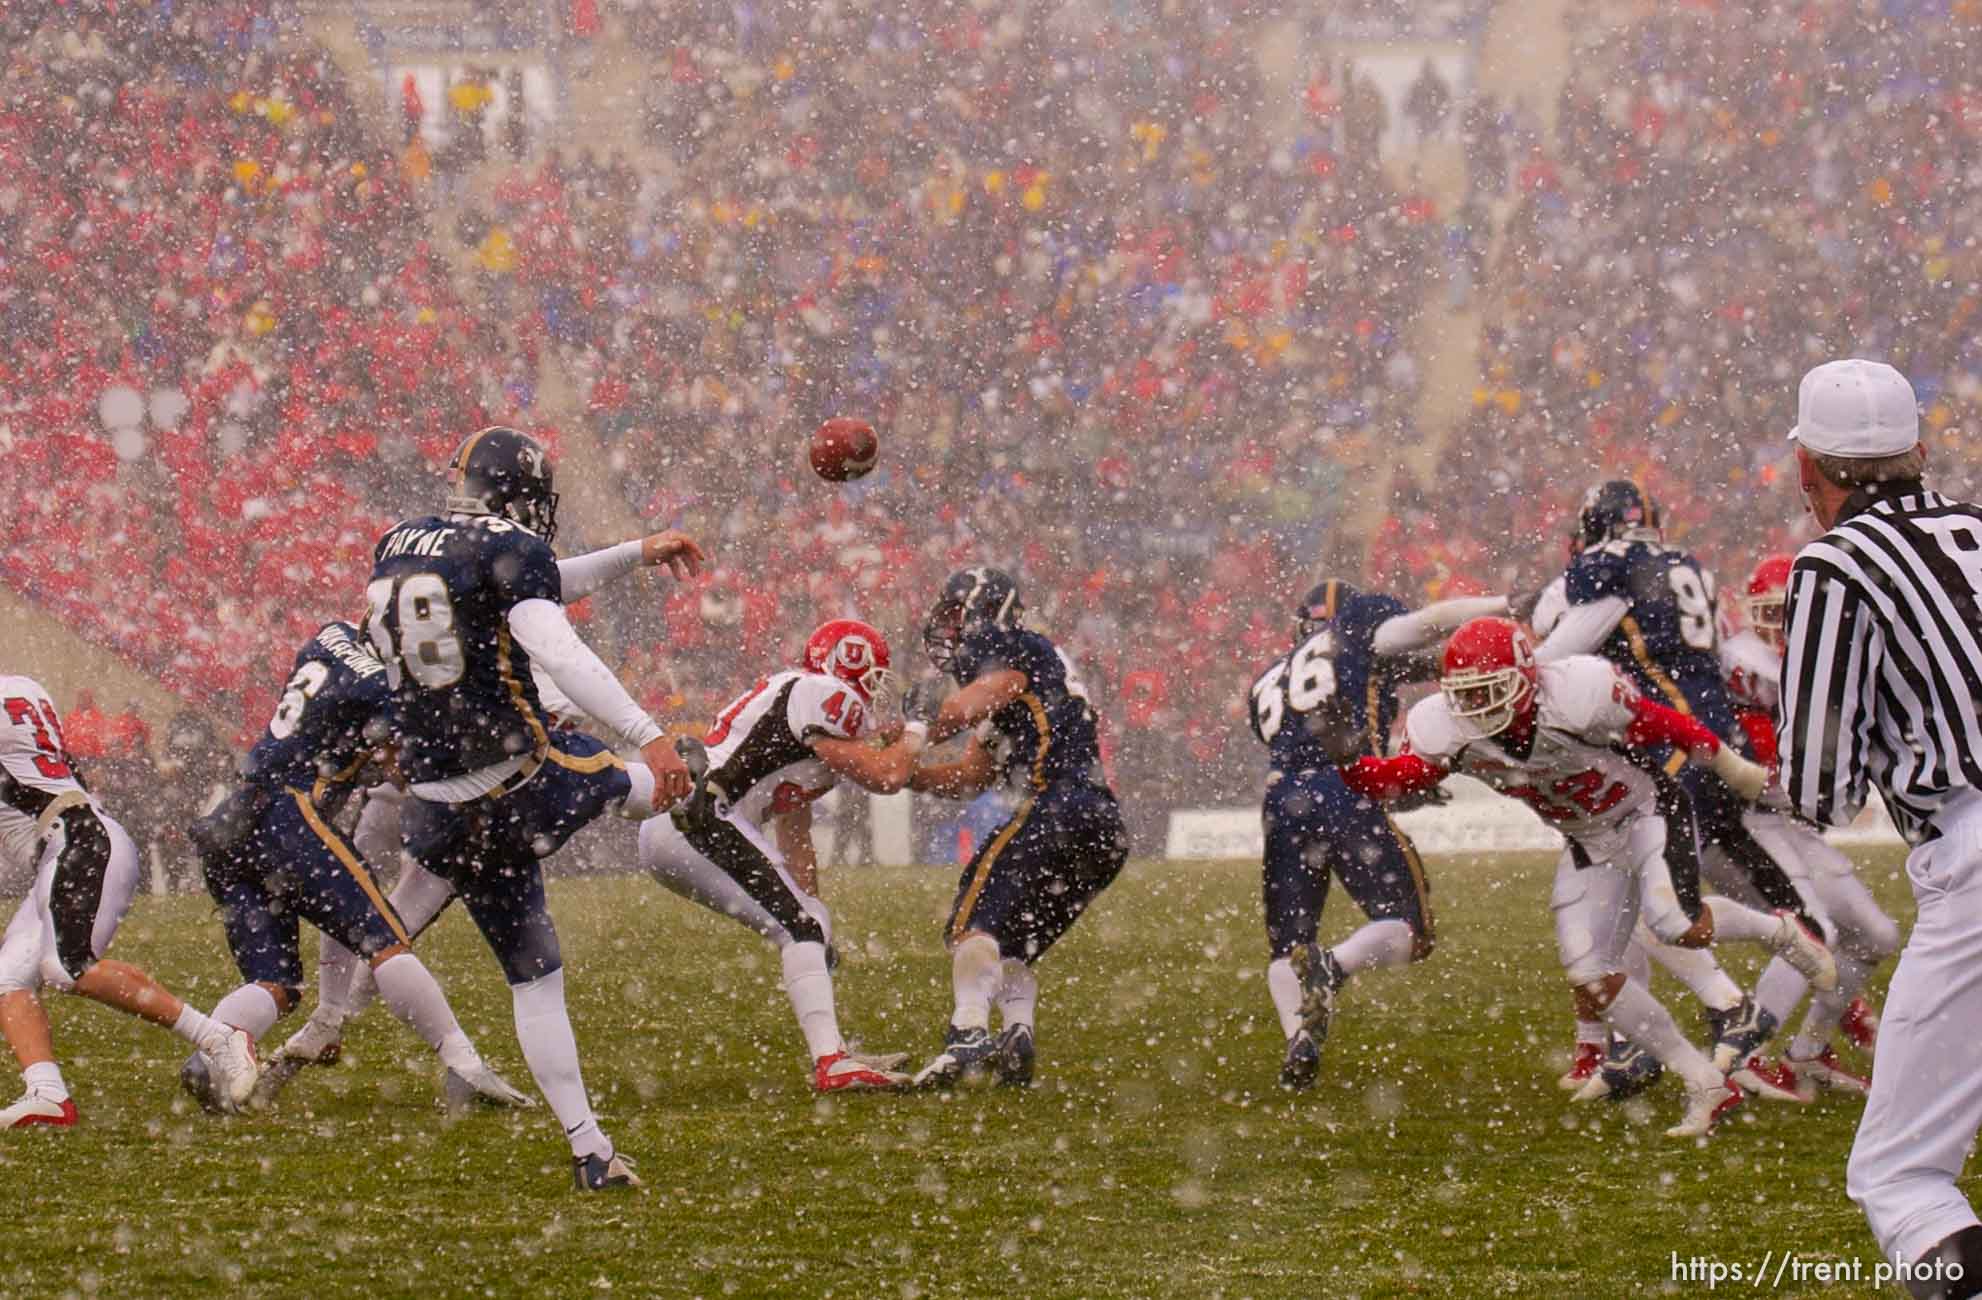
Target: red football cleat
pixel 1824 1070
pixel 1772 1081
pixel 33 1110
pixel 841 1072
pixel 1589 1059
pixel 1861 1025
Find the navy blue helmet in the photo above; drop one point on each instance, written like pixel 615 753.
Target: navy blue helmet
pixel 501 472
pixel 1321 606
pixel 1613 509
pixel 969 597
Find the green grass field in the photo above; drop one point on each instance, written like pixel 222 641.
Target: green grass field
pixel 1154 1156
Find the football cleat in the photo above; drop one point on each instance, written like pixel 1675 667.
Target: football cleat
pixel 883 1061
pixel 197 1080
pixel 1589 1058
pixel 234 1070
pixel 1320 977
pixel 1302 1063
pixel 1738 1032
pixel 316 1043
pixel 840 1072
pixel 1771 1082
pixel 1824 1070
pixel 603 1173
pixel 36 1111
pixel 1014 1064
pixel 1804 951
pixel 966 1054
pixel 462 1088
pixel 1705 1108
pixel 1627 1070
pixel 1861 1025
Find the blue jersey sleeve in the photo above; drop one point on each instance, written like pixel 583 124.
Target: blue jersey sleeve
pixel 1594 575
pixel 522 566
pixel 986 649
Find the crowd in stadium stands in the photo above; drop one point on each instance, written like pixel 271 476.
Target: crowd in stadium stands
pixel 231 356
pixel 1731 195
pixel 1117 337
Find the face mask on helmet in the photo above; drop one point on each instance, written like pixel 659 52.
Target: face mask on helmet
pixel 856 654
pixel 1489 674
pixel 943 634
pixel 1765 605
pixel 504 473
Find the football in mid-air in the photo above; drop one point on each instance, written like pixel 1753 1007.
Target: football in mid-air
pixel 844 449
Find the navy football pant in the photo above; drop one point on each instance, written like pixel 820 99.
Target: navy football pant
pixel 491 849
pixel 294 866
pixel 1316 826
pixel 1029 882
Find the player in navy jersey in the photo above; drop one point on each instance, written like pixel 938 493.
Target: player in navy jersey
pixel 1650 609
pixel 272 857
pixel 1332 699
pixel 463 606
pixel 1033 727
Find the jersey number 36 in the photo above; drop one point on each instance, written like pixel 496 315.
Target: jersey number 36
pixel 1309 676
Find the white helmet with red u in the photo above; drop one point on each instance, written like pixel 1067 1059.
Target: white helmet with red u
pixel 1489 673
pixel 852 651
pixel 1768 592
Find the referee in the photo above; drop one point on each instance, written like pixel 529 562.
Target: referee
pixel 1882 688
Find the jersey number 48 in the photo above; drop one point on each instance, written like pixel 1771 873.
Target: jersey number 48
pixel 415 608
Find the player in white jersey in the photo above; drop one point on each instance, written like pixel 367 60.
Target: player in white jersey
pixel 85 871
pixel 1553 736
pixel 1862 935
pixel 775 749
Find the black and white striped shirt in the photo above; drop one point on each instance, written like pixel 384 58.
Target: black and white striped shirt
pixel 1882 676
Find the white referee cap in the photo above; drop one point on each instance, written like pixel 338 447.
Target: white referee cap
pixel 1858 409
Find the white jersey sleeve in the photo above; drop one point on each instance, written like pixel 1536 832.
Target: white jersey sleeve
pixel 1433 733
pixel 1587 697
pixel 34 766
pixel 1551 606
pixel 824 706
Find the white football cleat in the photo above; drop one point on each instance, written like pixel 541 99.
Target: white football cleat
pixel 842 1072
pixel 234 1070
pixel 1804 951
pixel 1824 1070
pixel 316 1043
pixel 883 1061
pixel 1706 1107
pixel 36 1111
pixel 481 1084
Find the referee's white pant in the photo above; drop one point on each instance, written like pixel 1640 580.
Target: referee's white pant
pixel 1926 1102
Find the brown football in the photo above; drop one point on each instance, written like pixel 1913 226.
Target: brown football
pixel 844 449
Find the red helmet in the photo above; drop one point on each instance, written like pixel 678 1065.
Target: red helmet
pixel 1768 588
pixel 1489 673
pixel 852 651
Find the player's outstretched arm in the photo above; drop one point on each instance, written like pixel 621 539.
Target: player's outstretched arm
pixel 967 776
pixel 1384 779
pixel 581 575
pixel 883 770
pixel 976 702
pixel 1653 724
pixel 1582 628
pixel 1418 630
pixel 543 631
